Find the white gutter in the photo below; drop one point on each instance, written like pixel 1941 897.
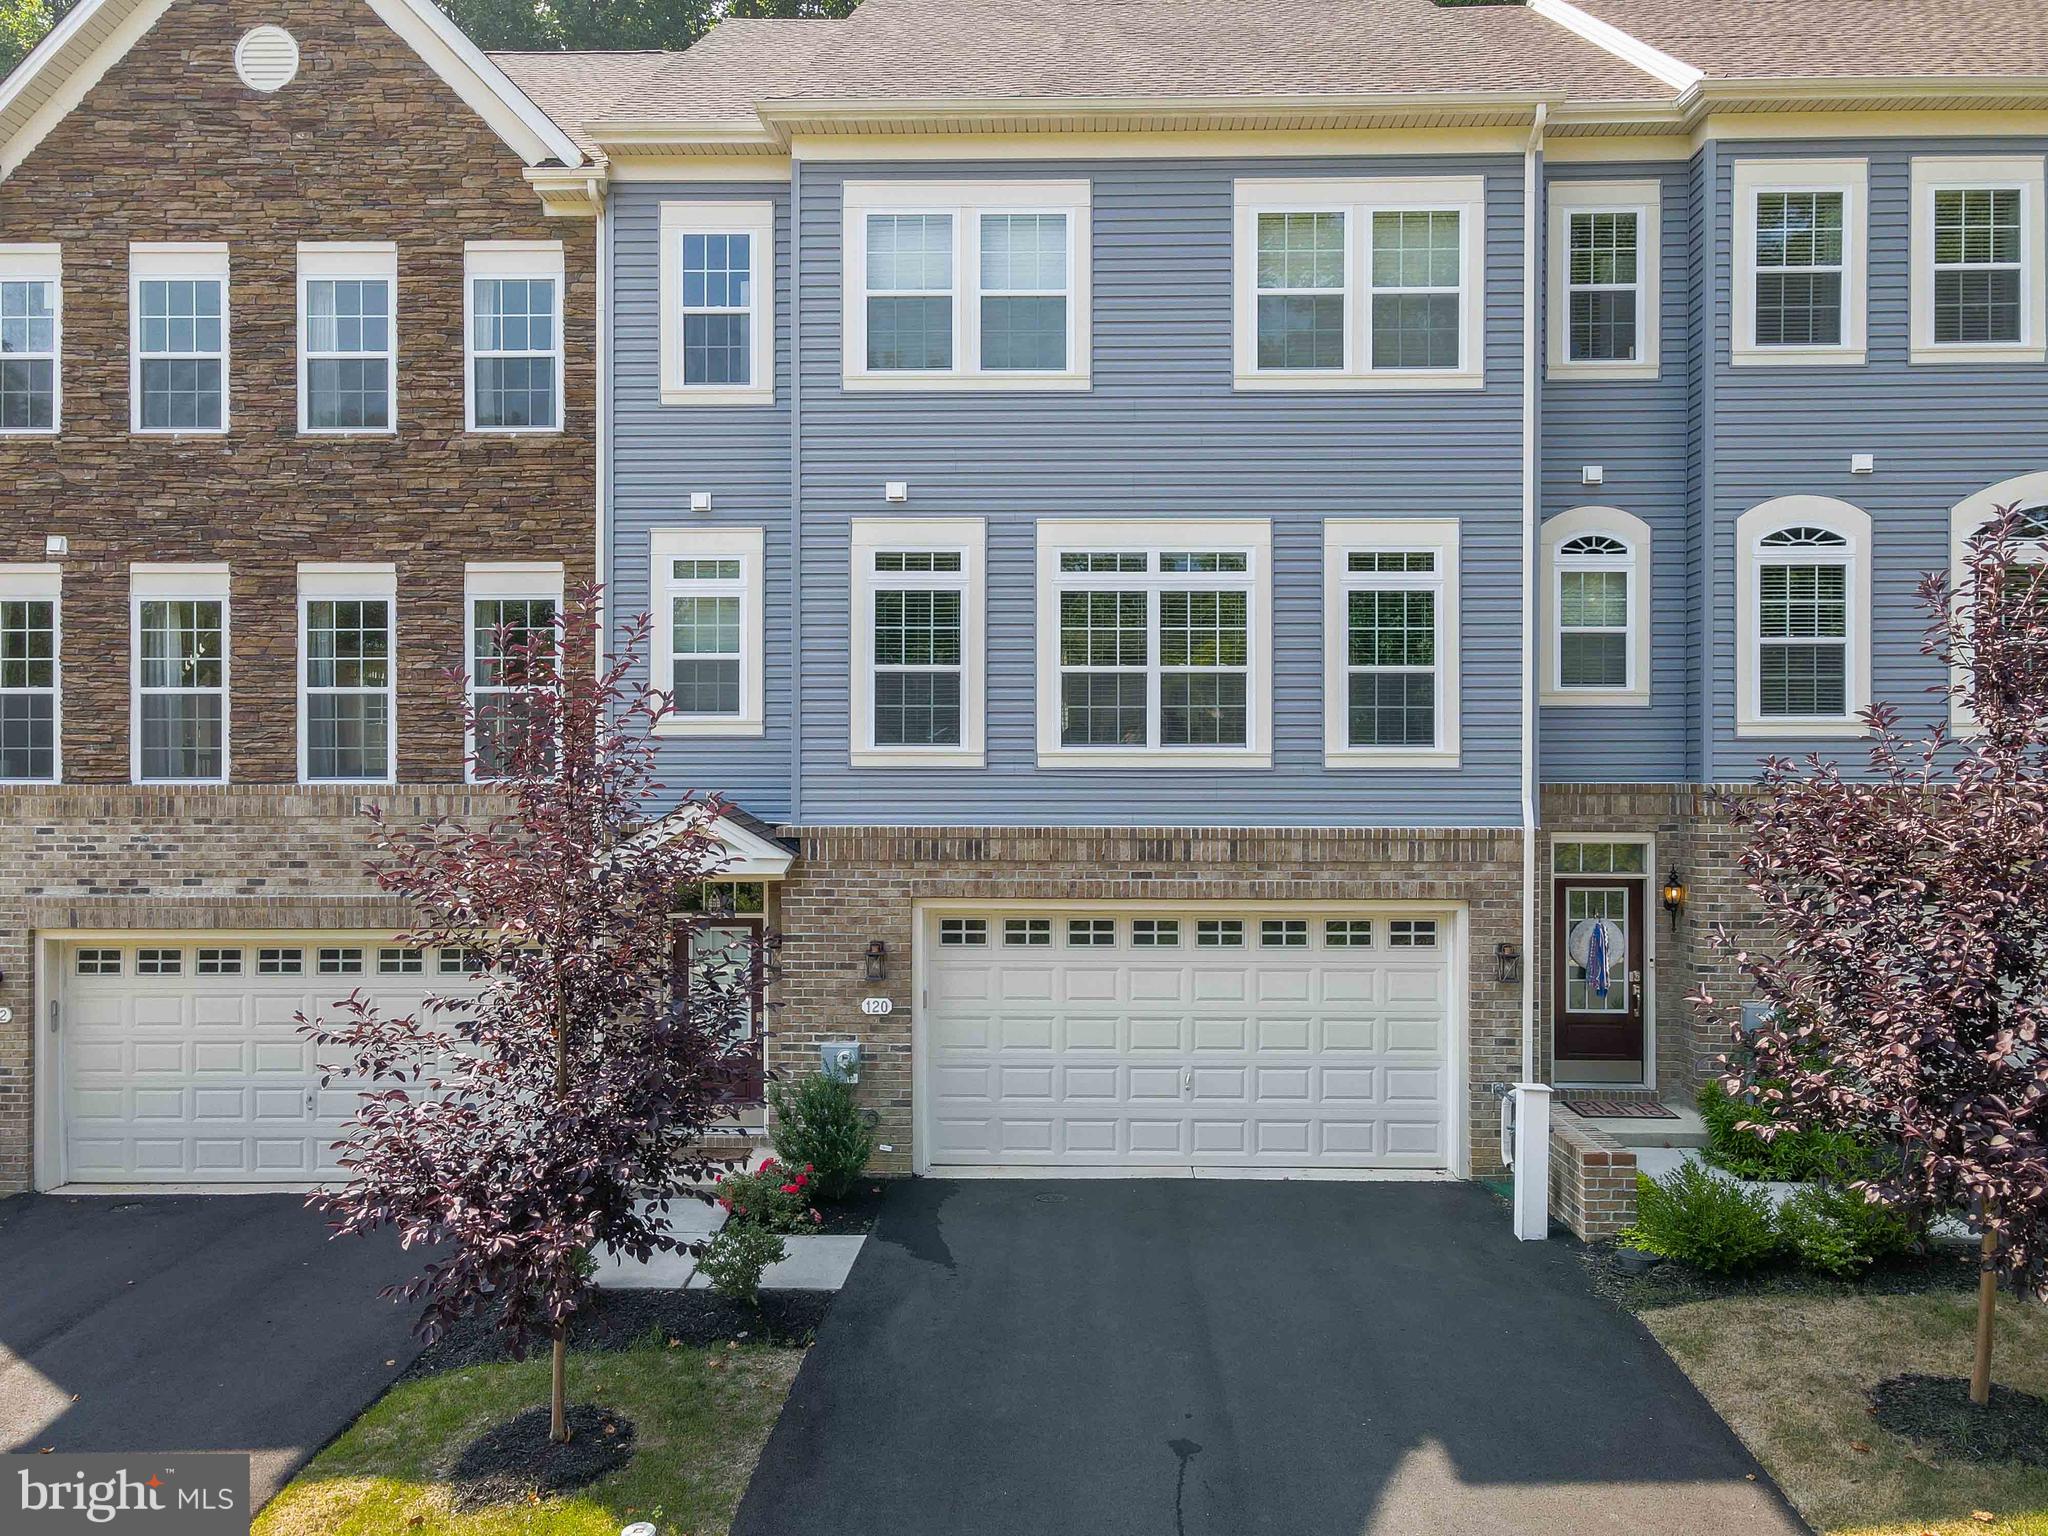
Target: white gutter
pixel 1532 383
pixel 1626 46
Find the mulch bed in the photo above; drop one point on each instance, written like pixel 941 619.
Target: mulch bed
pixel 516 1459
pixel 1936 1414
pixel 616 1320
pixel 853 1215
pixel 1671 1284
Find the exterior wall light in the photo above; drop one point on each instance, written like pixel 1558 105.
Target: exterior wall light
pixel 1674 896
pixel 878 960
pixel 1507 961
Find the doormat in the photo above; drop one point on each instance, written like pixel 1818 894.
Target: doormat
pixel 1620 1109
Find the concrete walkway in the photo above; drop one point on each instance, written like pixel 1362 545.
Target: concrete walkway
pixel 1234 1359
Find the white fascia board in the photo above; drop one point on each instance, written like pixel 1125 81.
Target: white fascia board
pixel 469 72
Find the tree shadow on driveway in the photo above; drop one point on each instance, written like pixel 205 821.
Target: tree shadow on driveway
pixel 1227 1358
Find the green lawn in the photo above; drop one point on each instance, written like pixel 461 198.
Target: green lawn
pixel 1790 1373
pixel 700 1418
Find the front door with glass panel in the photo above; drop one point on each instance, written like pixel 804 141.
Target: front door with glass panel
pixel 1598 970
pixel 733 946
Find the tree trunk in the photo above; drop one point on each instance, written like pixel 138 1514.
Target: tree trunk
pixel 1987 1303
pixel 558 1395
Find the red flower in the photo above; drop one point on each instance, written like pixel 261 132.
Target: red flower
pixel 722 1200
pixel 792 1189
pixel 810 1168
pixel 767 1163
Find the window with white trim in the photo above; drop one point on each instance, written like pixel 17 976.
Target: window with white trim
pixel 178 300
pixel 2027 497
pixel 1605 271
pixel 1803 592
pixel 965 932
pixel 1356 283
pixel 1390 642
pixel 1979 282
pixel 180 627
pixel 513 328
pixel 348 698
pixel 512 611
pixel 1154 641
pixel 348 342
pixel 1596 641
pixel 31 338
pixel 31 712
pixel 967 284
pixel 1800 260
pixel 917 641
pixel 717 303
pixel 708 630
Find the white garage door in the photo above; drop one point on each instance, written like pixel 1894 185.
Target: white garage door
pixel 181 1062
pixel 1281 1038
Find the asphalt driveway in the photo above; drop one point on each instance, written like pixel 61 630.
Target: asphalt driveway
pixel 191 1323
pixel 1224 1359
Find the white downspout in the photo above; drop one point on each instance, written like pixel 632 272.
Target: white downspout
pixel 1532 382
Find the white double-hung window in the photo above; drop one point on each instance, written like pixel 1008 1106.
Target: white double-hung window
pixel 1980 286
pixel 918 593
pixel 1803 597
pixel 30 655
pixel 972 285
pixel 1154 642
pixel 513 321
pixel 1390 642
pixel 1355 283
pixel 348 677
pixel 1801 261
pixel 1596 563
pixel 512 608
pixel 31 338
pixel 717 303
pixel 708 629
pixel 1605 270
pixel 348 337
pixel 178 362
pixel 180 666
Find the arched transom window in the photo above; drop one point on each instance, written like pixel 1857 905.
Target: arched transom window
pixel 1804 599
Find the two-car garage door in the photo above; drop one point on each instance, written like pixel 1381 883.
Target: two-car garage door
pixel 1283 1038
pixel 181 1061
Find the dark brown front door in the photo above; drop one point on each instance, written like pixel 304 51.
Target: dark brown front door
pixel 1592 1027
pixel 733 942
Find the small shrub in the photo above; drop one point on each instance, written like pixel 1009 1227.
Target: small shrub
pixel 1835 1230
pixel 735 1257
pixel 1711 1223
pixel 771 1197
pixel 1791 1157
pixel 819 1126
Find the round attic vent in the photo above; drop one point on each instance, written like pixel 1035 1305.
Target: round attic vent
pixel 267 59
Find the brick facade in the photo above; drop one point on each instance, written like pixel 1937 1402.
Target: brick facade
pixel 366 144
pixel 851 885
pixel 1592 1178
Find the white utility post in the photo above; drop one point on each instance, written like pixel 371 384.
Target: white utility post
pixel 1525 1147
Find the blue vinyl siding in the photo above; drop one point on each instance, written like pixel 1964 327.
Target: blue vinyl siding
pixel 661 453
pixel 1939 433
pixel 1163 434
pixel 1637 431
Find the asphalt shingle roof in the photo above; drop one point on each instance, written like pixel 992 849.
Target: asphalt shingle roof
pixel 1791 39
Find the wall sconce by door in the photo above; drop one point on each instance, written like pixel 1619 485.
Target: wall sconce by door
pixel 1507 963
pixel 1674 896
pixel 878 960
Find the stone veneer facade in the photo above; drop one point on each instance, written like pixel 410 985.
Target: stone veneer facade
pixel 366 144
pixel 853 884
